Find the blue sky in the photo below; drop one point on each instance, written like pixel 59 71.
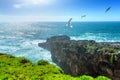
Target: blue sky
pixel 59 10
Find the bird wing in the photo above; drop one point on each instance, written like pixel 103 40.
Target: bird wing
pixel 107 9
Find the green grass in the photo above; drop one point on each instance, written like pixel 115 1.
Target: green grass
pixel 111 58
pixel 20 68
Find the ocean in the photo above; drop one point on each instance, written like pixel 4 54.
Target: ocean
pixel 21 38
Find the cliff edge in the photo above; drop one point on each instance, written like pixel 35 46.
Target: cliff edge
pixel 85 57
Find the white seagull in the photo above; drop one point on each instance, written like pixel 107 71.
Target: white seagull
pixel 69 23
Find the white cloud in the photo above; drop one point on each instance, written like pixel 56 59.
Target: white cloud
pixel 17 5
pixel 25 3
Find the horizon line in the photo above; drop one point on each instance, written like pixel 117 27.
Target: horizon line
pixel 59 21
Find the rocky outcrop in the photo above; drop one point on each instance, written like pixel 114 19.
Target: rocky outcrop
pixel 85 56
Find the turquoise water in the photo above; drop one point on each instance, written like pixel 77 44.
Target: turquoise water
pixel 21 39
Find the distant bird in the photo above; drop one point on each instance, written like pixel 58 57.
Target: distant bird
pixel 107 9
pixel 69 23
pixel 83 16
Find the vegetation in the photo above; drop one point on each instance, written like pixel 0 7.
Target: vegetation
pixel 90 48
pixel 84 77
pixel 108 50
pixel 42 62
pixel 112 52
pixel 111 58
pixel 20 68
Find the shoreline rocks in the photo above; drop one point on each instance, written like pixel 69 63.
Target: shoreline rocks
pixel 85 56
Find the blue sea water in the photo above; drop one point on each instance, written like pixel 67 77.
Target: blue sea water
pixel 22 38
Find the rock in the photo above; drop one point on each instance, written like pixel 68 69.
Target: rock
pixel 85 57
pixel 47 45
pixel 117 56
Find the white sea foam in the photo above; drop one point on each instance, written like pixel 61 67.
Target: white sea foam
pixel 31 50
pixel 99 37
pixel 25 48
pixel 7 37
pixel 1 31
pixel 18 39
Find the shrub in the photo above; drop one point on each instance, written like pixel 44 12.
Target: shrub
pixel 111 58
pixel 24 60
pixel 85 77
pixel 102 78
pixel 42 62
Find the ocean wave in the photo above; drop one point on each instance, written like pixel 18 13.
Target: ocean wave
pixel 1 31
pixel 31 50
pixel 98 37
pixel 7 37
pixel 25 48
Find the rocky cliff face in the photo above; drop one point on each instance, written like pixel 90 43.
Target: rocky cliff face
pixel 85 57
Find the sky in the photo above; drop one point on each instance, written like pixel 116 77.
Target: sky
pixel 59 10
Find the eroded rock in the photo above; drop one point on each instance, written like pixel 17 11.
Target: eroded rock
pixel 85 56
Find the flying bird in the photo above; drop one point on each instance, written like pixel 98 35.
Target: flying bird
pixel 69 23
pixel 83 16
pixel 107 9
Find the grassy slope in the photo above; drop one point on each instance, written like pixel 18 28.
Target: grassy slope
pixel 19 68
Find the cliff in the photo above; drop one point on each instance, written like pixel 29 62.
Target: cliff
pixel 85 56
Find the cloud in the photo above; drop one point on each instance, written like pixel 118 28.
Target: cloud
pixel 26 3
pixel 17 5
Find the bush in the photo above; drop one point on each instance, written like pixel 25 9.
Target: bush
pixel 102 78
pixel 24 60
pixel 85 77
pixel 42 62
pixel 111 58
